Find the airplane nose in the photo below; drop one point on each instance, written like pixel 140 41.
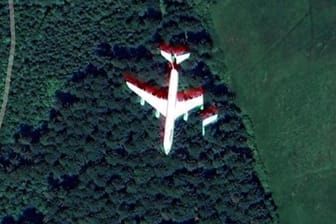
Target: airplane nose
pixel 167 146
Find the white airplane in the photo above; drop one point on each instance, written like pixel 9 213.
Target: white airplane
pixel 171 104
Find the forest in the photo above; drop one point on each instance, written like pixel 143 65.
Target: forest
pixel 96 156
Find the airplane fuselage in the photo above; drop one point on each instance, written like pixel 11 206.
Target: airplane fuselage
pixel 170 118
pixel 175 103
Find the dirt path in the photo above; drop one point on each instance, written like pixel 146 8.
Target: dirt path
pixel 10 61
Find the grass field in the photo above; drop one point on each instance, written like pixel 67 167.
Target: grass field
pixel 281 60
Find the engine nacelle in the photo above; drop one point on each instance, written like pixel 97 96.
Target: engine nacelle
pixel 185 116
pixel 142 101
pixel 157 114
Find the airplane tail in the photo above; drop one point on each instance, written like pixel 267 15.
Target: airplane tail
pixel 171 57
pixel 174 54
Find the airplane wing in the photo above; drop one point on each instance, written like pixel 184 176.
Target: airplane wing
pixel 156 97
pixel 187 100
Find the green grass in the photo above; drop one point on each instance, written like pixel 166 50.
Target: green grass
pixel 281 62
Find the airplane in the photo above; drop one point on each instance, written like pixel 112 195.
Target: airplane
pixel 170 102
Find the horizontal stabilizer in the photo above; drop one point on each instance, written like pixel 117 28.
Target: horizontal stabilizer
pixel 182 57
pixel 174 54
pixel 172 57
